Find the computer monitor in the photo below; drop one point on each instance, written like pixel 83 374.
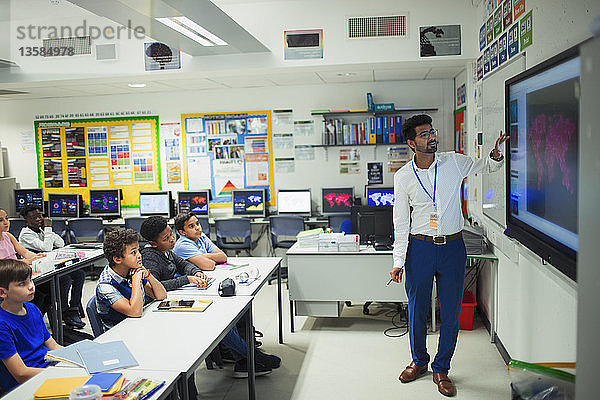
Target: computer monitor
pixel 25 197
pixel 105 203
pixel 196 202
pixel 294 201
pixel 380 196
pixel 155 203
pixel 64 205
pixel 336 200
pixel 373 224
pixel 249 202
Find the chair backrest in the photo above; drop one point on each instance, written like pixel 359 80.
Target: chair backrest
pixel 205 225
pixel 285 225
pixel 59 226
pixel 92 314
pixel 335 221
pixel 16 224
pixel 233 228
pixel 86 230
pixel 346 226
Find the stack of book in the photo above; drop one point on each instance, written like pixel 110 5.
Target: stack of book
pixel 309 238
pixel 381 129
pixel 95 357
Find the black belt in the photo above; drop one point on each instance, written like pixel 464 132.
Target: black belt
pixel 438 239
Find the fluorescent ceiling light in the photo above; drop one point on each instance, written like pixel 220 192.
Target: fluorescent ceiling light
pixel 188 23
pixel 136 85
pixel 192 30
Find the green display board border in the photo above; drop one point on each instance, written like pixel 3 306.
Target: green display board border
pixel 96 120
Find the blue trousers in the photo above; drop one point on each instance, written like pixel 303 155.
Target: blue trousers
pixel 236 344
pixel 424 261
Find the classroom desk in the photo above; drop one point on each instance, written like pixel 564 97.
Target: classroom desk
pixel 55 317
pixel 319 282
pixel 25 391
pixel 180 341
pixel 265 267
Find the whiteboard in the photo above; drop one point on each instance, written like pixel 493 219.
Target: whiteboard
pixel 494 186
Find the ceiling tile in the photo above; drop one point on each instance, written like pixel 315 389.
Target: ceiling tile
pixel 300 78
pixel 342 76
pixel 400 74
pixel 244 81
pixel 191 84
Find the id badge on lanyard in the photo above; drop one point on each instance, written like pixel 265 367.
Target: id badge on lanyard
pixel 433 220
pixel 434 217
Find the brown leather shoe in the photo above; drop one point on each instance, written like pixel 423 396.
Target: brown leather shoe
pixel 412 372
pixel 444 384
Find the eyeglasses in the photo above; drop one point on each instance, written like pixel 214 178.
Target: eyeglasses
pixel 426 134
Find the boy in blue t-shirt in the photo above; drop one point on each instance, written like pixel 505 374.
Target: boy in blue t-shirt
pixel 193 245
pixel 124 282
pixel 24 339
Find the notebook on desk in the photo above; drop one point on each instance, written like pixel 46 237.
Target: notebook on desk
pixel 196 306
pixel 107 356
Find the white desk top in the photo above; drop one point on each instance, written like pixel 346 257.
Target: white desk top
pixel 177 341
pixel 53 257
pixel 264 265
pixel 26 390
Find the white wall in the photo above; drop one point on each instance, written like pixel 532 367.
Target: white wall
pixel 537 305
pixel 17 117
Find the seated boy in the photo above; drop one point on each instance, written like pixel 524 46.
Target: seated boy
pixel 24 338
pixel 161 261
pixel 38 236
pixel 193 245
pixel 124 282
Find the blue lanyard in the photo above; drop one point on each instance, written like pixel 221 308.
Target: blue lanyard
pixel 421 183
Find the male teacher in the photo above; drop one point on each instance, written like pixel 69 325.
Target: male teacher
pixel 428 242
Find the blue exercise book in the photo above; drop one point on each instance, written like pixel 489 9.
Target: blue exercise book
pixel 70 353
pixel 107 356
pixel 193 285
pixel 106 380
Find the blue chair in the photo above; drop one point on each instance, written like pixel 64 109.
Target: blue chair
pixel 335 221
pixel 283 235
pixel 59 226
pixel 16 224
pixel 236 229
pixel 86 230
pixel 204 224
pixel 92 314
pixel 346 226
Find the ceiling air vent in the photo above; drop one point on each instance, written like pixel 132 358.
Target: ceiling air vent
pixel 371 27
pixel 68 46
pixel 106 52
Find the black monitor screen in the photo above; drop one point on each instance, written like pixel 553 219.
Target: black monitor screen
pixel 63 205
pixel 372 223
pixel 542 116
pixel 25 197
pixel 155 203
pixel 336 200
pixel 105 202
pixel 380 196
pixel 196 202
pixel 249 202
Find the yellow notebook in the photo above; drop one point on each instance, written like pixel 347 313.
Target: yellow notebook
pixel 116 387
pixel 59 387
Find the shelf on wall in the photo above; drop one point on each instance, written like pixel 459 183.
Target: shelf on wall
pixel 375 113
pixel 354 145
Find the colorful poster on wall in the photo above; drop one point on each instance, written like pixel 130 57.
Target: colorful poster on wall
pixel 285 165
pixel 480 68
pixel 258 125
pixel 77 172
pixel 120 155
pixel 304 152
pixel 172 149
pixel 494 55
pixel 99 173
pixel 350 168
pixel 119 132
pixel 51 142
pixel 228 175
pixel 304 128
pixel 173 172
pixel 75 142
pixel 502 49
pixel 352 154
pixel 53 177
pixel 143 167
pixel 526 24
pixel 441 40
pixel 198 173
pixel 97 141
pixel 257 145
pixel 498 22
pixel 507 14
pixel 486 61
pixel 513 41
pixel 518 8
pixel 489 26
pixel 257 170
pixel 482 39
pixel 375 173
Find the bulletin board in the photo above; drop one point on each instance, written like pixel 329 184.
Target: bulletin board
pixel 76 155
pixel 226 151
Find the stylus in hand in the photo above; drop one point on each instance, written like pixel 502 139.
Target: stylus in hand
pixel 389 282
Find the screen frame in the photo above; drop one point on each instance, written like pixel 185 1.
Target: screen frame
pixel 264 196
pixel 207 191
pixel 42 210
pixel 150 193
pixel 59 195
pixel 336 212
pixel 302 214
pixel 549 249
pixel 386 188
pixel 106 214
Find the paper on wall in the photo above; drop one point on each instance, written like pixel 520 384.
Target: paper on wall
pixel 228 175
pixel 198 173
pixel 257 169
